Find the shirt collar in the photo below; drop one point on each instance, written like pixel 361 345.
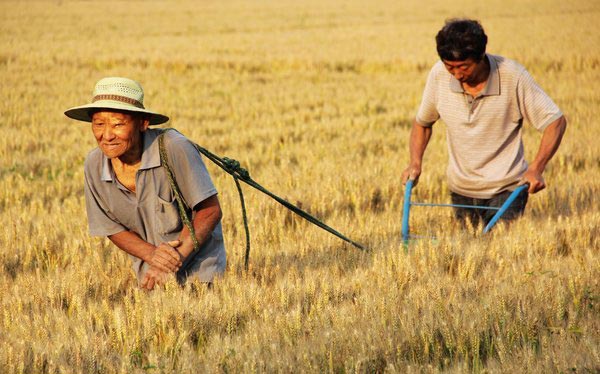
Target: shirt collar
pixel 455 85
pixel 107 173
pixel 492 86
pixel 150 156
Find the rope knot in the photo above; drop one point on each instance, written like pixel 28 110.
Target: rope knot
pixel 234 166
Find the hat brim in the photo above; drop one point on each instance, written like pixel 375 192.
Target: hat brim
pixel 82 113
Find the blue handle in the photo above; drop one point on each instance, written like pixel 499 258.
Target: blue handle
pixel 505 207
pixel 406 210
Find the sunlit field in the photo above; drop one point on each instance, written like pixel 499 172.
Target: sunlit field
pixel 316 100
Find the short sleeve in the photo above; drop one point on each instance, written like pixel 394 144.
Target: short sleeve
pixel 189 169
pixel 535 105
pixel 100 222
pixel 428 113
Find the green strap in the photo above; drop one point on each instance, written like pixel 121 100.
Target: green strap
pixel 183 212
pixel 238 173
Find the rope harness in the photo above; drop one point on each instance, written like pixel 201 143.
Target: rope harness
pixel 238 173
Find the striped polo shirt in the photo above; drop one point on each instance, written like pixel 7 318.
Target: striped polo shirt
pixel 484 132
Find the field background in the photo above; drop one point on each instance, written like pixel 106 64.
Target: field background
pixel 316 100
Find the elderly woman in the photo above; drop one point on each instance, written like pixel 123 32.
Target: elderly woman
pixel 129 198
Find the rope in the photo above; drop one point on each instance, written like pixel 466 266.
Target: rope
pixel 238 173
pixel 184 213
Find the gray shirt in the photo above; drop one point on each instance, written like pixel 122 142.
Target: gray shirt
pixel 151 211
pixel 484 132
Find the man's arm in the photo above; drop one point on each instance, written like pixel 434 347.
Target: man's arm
pixel 207 215
pixel 419 138
pixel 162 257
pixel 551 139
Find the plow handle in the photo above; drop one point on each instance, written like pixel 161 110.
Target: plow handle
pixel 505 206
pixel 406 210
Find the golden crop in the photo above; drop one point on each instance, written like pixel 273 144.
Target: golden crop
pixel 315 99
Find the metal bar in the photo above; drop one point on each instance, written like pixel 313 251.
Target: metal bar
pixel 458 206
pixel 504 207
pixel 406 211
pixel 413 236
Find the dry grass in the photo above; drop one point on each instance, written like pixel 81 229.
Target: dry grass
pixel 316 100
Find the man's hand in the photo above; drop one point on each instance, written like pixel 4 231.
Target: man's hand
pixel 419 138
pixel 165 257
pixel 412 172
pixel 550 141
pixel 535 180
pixel 154 277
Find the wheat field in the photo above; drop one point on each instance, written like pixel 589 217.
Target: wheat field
pixel 315 99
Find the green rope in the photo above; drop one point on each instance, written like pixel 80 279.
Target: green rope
pixel 183 211
pixel 238 173
pixel 245 219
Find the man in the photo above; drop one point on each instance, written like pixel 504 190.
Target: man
pixel 129 198
pixel 483 99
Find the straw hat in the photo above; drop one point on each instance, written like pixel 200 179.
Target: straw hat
pixel 116 93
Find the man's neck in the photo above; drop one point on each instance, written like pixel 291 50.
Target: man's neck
pixel 129 160
pixel 119 163
pixel 480 77
pixel 126 170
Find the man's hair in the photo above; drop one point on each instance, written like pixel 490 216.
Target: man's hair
pixel 461 39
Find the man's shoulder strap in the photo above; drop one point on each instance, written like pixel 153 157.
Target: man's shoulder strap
pixel 183 212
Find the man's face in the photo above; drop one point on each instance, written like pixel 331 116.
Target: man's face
pixel 118 134
pixel 464 71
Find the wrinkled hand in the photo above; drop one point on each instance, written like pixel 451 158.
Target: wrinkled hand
pixel 535 180
pixel 411 172
pixel 165 257
pixel 154 277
